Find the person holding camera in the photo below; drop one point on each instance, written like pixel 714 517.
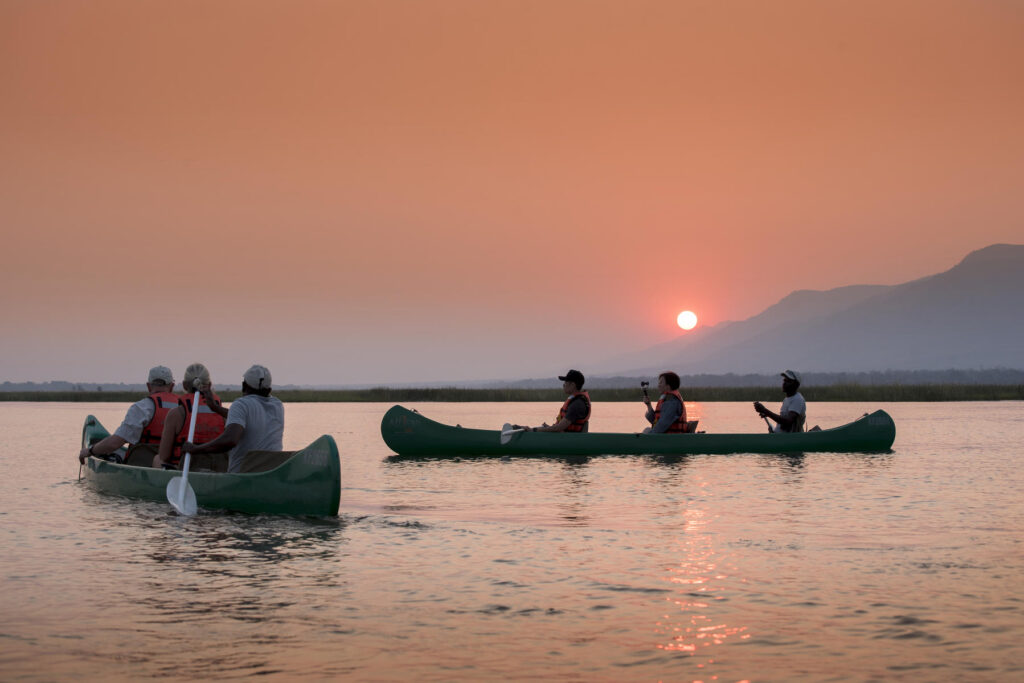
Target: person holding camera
pixel 669 416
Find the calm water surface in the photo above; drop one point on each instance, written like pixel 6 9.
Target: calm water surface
pixel 905 565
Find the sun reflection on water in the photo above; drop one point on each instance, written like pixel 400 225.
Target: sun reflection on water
pixel 696 624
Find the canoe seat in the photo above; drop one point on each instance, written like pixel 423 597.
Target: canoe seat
pixel 691 426
pixel 264 461
pixel 209 462
pixel 141 455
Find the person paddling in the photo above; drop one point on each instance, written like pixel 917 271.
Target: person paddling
pixel 144 421
pixel 574 415
pixel 669 416
pixel 793 413
pixel 209 419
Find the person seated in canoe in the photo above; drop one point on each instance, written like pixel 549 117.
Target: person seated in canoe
pixel 793 413
pixel 574 416
pixel 255 422
pixel 669 416
pixel 209 420
pixel 144 421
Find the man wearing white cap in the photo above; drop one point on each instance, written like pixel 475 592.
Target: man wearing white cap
pixel 793 413
pixel 255 422
pixel 144 421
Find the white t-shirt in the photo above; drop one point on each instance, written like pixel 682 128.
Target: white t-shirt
pixel 135 420
pixel 262 418
pixel 793 404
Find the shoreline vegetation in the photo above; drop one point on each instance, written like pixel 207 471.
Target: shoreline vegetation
pixel 833 393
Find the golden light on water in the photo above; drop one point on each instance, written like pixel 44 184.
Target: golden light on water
pixel 695 625
pixel 687 320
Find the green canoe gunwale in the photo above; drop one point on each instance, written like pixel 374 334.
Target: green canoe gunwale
pixel 410 434
pixel 308 483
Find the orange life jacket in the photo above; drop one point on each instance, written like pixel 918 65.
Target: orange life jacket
pixel 578 425
pixel 163 403
pixel 679 426
pixel 209 425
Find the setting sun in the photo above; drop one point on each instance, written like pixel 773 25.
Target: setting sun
pixel 687 320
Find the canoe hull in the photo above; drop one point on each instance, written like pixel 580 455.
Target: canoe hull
pixel 308 483
pixel 410 434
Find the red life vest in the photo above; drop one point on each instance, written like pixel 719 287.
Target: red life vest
pixel 578 425
pixel 679 426
pixel 209 425
pixel 163 403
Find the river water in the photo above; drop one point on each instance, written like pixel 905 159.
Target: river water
pixel 898 566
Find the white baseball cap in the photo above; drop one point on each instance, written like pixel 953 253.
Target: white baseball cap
pixel 257 377
pixel 790 374
pixel 160 373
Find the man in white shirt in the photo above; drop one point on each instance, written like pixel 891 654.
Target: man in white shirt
pixel 138 421
pixel 255 422
pixel 793 413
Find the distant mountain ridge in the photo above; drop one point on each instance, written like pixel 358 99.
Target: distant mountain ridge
pixel 969 317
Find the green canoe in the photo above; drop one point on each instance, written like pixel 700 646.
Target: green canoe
pixel 306 482
pixel 408 433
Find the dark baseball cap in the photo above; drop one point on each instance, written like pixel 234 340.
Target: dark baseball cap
pixel 574 376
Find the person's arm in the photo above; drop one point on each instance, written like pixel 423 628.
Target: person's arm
pixel 559 426
pixel 129 431
pixel 214 403
pixel 671 410
pixel 104 447
pixel 785 422
pixel 650 409
pixel 172 427
pixel 225 442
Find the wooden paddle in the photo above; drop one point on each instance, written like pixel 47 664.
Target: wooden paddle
pixel 179 494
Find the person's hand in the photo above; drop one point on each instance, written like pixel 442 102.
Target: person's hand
pixel 187 447
pixel 760 409
pixel 210 399
pixel 83 454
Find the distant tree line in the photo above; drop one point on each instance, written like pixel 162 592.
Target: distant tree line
pixel 906 378
pixel 835 392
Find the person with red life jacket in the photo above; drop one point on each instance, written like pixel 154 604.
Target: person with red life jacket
pixel 144 421
pixel 255 422
pixel 209 418
pixel 669 416
pixel 574 415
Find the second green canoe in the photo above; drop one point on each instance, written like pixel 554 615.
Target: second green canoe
pixel 408 433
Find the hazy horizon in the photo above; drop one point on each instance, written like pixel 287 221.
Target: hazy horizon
pixel 392 192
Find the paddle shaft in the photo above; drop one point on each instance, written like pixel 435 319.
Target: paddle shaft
pixel 188 456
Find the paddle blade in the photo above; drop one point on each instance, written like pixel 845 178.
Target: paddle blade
pixel 181 497
pixel 507 434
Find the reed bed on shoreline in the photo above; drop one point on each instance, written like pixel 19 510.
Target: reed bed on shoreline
pixel 836 392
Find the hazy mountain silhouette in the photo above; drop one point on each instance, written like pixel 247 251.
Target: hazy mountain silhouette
pixel 971 316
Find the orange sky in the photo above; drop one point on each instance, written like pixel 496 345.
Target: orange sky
pixel 411 191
